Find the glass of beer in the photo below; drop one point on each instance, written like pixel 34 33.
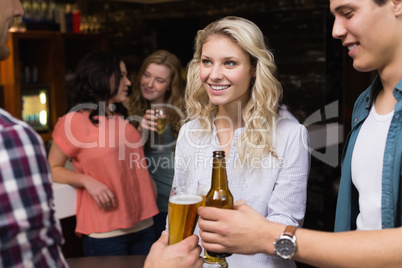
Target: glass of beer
pixel 203 188
pixel 182 213
pixel 162 121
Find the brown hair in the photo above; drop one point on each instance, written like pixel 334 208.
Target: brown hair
pixel 175 96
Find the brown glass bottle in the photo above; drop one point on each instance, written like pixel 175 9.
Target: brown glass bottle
pixel 219 196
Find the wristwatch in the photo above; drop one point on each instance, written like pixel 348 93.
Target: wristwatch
pixel 285 244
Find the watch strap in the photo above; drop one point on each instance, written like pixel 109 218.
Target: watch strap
pixel 290 230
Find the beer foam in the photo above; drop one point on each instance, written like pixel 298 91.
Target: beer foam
pixel 185 199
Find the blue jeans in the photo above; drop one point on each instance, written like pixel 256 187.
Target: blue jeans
pixel 159 224
pixel 138 243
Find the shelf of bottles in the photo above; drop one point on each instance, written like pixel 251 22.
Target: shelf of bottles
pixel 46 15
pixel 39 15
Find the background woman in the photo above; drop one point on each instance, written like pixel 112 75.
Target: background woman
pixel 232 102
pixel 159 83
pixel 115 193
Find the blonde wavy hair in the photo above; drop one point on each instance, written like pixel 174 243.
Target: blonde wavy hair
pixel 175 96
pixel 265 90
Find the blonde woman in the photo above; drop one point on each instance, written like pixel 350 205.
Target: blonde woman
pixel 232 103
pixel 159 83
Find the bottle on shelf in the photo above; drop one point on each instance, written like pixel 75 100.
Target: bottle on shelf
pixel 43 10
pixel 27 6
pixel 36 13
pixel 69 18
pixel 51 12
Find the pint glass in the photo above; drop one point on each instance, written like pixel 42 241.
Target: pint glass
pixel 182 214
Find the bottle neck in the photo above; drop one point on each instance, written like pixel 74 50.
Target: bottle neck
pixel 219 177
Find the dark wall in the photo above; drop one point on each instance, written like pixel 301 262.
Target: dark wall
pixel 297 32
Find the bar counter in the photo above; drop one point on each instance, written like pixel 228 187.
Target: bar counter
pixel 134 261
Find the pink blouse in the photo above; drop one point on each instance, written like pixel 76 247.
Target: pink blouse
pixel 112 153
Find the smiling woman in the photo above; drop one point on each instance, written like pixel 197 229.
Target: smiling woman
pixel 160 86
pixel 226 77
pixel 232 101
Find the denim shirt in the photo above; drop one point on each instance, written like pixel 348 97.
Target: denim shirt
pixel 347 206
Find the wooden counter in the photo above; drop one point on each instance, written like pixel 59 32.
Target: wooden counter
pixel 134 261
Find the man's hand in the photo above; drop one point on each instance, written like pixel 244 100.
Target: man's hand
pixel 242 230
pixel 185 254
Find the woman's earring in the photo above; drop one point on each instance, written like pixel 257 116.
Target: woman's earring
pixel 112 107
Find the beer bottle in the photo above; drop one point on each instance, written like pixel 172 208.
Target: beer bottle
pixel 219 195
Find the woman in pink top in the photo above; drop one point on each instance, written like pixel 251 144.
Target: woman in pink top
pixel 115 193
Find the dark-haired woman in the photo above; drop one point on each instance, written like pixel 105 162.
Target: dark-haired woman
pixel 115 193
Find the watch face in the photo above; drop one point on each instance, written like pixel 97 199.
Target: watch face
pixel 285 247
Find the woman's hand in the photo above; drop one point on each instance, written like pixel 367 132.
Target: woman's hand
pixel 103 196
pixel 148 121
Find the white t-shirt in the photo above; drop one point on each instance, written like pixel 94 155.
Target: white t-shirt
pixel 367 161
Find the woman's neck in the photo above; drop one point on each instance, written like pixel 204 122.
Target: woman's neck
pixel 229 118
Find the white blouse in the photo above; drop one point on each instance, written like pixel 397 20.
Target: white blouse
pixel 277 190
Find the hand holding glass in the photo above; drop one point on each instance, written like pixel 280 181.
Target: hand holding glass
pixel 161 119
